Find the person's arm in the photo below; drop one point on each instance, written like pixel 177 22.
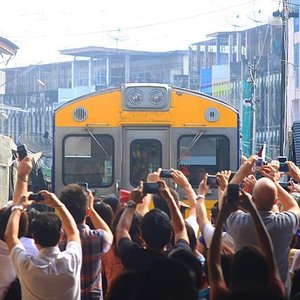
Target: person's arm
pixel 24 169
pixel 245 170
pixel 263 237
pixel 12 228
pixel 124 224
pixel 68 223
pixel 144 207
pixel 97 221
pixel 216 278
pixel 176 216
pixel 222 179
pixel 180 179
pixel 288 202
pixel 294 171
pixel 201 211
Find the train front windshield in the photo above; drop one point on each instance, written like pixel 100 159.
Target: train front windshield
pixel 209 154
pixel 88 159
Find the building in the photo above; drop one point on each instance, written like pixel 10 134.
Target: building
pixel 243 68
pixel 39 89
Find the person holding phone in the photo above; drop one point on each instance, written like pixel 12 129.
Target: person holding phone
pixel 156 228
pixel 281 226
pixel 46 230
pixel 254 270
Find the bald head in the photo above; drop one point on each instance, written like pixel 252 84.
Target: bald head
pixel 264 194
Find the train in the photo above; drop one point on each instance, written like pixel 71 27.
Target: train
pixel 113 138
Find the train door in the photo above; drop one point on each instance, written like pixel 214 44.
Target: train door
pixel 145 149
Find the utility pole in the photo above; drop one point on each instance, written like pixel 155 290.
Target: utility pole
pixel 252 81
pixel 285 14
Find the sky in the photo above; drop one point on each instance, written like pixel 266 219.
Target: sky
pixel 41 28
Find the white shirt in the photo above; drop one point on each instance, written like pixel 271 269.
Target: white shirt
pixel 49 275
pixel 7 271
pixel 208 232
pixel 29 245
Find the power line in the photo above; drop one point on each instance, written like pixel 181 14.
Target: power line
pixel 143 25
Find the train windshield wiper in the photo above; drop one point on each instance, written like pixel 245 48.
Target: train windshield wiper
pixel 192 143
pixel 97 142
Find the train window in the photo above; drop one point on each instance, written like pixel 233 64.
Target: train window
pixel 209 154
pixel 145 157
pixel 90 160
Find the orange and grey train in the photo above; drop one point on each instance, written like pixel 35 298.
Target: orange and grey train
pixel 113 138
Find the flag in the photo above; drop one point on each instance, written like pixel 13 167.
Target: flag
pixel 262 152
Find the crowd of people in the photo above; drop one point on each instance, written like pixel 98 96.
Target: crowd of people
pixel 73 246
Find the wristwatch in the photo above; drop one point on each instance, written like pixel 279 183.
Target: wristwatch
pixel 15 207
pixel 130 204
pixel 200 196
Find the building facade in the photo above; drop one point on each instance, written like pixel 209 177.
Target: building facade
pixel 243 68
pixel 38 90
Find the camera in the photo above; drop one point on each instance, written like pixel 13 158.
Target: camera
pixel 36 197
pixel 212 181
pixel 233 192
pixel 85 185
pixel 151 187
pixel 22 151
pixel 283 167
pixel 164 173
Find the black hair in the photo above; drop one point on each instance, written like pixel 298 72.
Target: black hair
pixel 5 213
pixel 113 202
pixel 156 228
pixel 46 229
pixel 76 201
pixel 249 269
pixel 192 263
pixel 104 211
pixel 135 228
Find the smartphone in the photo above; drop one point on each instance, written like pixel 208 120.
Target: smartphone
pixel 231 176
pixel 283 167
pixel 36 197
pixel 151 187
pixel 164 173
pixel 85 185
pixel 259 164
pixel 233 192
pixel 212 181
pixel 22 151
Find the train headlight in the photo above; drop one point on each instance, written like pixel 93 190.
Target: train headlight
pixel 156 97
pixel 135 97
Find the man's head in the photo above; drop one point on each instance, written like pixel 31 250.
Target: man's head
pixel 76 201
pixel 46 229
pixel 249 269
pixel 264 194
pixel 156 229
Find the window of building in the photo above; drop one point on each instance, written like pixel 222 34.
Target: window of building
pixel 145 157
pixel 87 160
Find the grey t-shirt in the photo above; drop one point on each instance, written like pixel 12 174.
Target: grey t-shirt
pixel 281 227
